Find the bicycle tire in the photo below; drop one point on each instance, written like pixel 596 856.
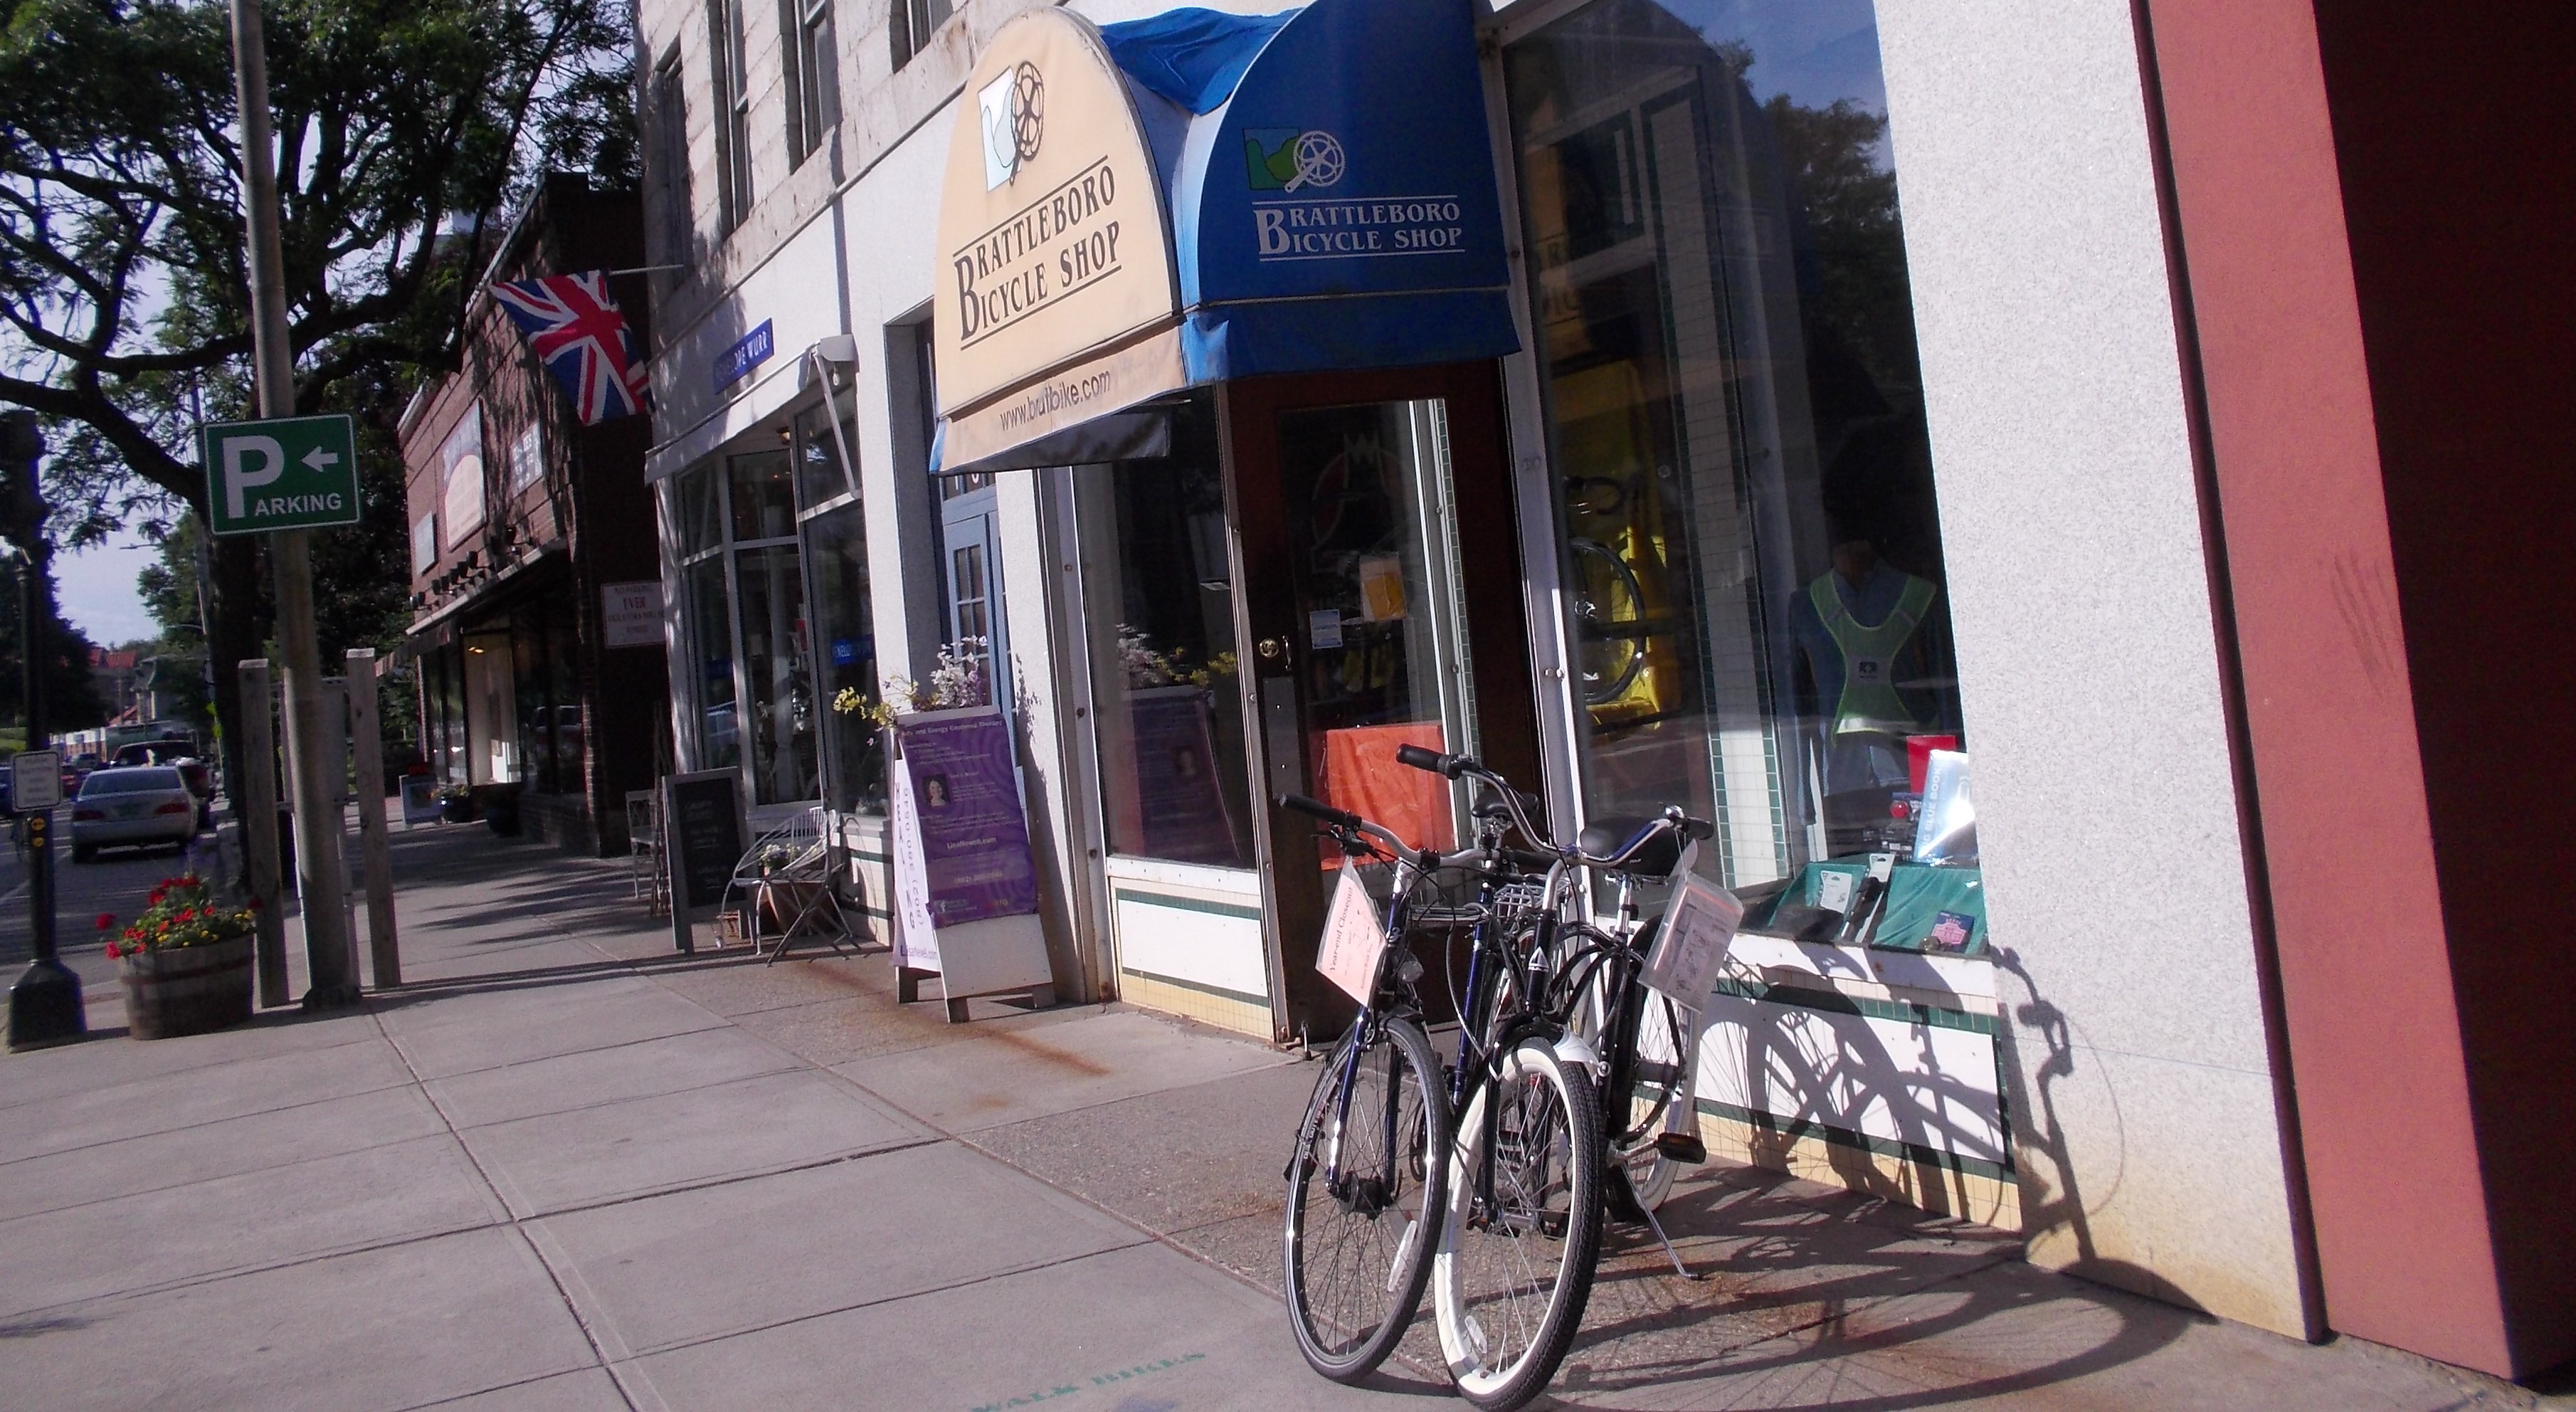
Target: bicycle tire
pixel 1353 1276
pixel 1546 1146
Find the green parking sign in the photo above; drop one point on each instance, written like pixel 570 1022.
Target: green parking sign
pixel 281 474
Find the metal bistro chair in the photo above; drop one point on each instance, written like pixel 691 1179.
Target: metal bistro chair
pixel 795 886
pixel 648 880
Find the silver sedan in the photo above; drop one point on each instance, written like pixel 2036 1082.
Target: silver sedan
pixel 144 805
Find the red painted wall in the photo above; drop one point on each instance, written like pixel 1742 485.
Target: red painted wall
pixel 2354 218
pixel 2458 150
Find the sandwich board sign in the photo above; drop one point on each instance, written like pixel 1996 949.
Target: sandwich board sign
pixel 284 473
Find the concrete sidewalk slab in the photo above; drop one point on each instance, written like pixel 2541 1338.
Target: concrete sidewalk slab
pixel 568 1083
pixel 276 1216
pixel 997 1077
pixel 2014 1337
pixel 399 1327
pixel 641 1145
pixel 42 1075
pixel 590 1390
pixel 188 1097
pixel 443 1034
pixel 1137 1328
pixel 204 1151
pixel 679 1269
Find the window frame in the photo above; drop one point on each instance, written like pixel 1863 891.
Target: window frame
pixel 809 44
pixel 912 24
pixel 679 217
pixel 729 77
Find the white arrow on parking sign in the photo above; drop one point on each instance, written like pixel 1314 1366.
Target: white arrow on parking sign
pixel 321 460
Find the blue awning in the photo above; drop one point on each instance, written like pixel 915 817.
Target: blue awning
pixel 1329 178
pixel 1326 179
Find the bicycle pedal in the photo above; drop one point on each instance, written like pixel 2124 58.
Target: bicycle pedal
pixel 1685 1148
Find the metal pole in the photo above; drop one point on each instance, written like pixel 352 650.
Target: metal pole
pixel 318 829
pixel 45 1003
pixel 257 798
pixel 367 751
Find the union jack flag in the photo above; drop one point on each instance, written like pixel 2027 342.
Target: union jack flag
pixel 574 325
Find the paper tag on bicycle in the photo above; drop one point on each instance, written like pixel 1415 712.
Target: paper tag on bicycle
pixel 1690 943
pixel 1354 938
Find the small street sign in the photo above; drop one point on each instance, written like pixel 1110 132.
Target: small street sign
pixel 281 474
pixel 35 780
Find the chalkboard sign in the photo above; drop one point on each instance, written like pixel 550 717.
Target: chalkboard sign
pixel 702 836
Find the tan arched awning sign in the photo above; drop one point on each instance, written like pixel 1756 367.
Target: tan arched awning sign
pixel 1056 299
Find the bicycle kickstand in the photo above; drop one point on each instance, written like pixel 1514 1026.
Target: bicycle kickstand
pixel 1669 1253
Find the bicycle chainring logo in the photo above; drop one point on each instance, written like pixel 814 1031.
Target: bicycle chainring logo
pixel 1291 159
pixel 1012 113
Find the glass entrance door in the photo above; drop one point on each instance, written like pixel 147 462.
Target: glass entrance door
pixel 1383 588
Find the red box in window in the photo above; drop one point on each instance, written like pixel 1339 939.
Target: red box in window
pixel 1918 754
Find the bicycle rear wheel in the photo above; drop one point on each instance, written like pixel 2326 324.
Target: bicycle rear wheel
pixel 1514 1273
pixel 1363 1187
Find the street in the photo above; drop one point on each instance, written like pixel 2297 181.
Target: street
pixel 117 882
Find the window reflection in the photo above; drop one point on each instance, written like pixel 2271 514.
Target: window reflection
pixel 719 724
pixel 845 653
pixel 1166 691
pixel 1749 538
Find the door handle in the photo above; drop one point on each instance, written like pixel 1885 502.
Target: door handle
pixel 1273 650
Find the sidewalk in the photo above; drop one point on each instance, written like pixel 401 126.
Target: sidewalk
pixel 565 1168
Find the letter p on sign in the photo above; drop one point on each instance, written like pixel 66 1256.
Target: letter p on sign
pixel 240 479
pixel 280 474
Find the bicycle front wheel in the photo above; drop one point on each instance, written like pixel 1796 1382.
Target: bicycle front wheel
pixel 1363 1191
pixel 1522 1228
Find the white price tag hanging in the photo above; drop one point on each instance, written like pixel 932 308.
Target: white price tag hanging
pixel 1690 943
pixel 1354 937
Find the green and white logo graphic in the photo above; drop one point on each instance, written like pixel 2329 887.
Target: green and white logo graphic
pixel 1289 159
pixel 286 473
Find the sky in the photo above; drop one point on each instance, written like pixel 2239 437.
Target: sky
pixel 96 590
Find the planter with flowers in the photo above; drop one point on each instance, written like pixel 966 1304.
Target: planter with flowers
pixel 185 963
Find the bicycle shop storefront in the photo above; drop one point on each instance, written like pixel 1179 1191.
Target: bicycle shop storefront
pixel 1631 498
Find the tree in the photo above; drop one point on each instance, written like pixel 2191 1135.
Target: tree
pixel 124 313
pixel 71 694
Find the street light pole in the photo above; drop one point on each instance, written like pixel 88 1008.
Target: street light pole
pixel 45 1003
pixel 318 862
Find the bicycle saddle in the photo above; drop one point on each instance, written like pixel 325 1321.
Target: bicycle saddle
pixel 1655 858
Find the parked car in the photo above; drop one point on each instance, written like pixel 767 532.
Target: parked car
pixel 76 769
pixel 182 756
pixel 136 805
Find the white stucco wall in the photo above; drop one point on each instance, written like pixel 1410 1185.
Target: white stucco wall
pixel 2142 1099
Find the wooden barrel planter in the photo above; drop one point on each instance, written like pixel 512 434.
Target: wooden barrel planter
pixel 188 990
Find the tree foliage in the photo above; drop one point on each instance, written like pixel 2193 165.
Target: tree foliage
pixel 72 701
pixel 123 288
pixel 403 129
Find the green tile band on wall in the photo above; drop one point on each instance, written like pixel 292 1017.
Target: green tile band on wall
pixel 1903 1012
pixel 1220 992
pixel 1913 1153
pixel 1187 904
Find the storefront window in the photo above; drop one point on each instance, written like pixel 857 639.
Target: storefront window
pixel 770 709
pixel 764 497
pixel 818 458
pixel 1166 689
pixel 780 710
pixel 1749 537
pixel 699 498
pixel 846 655
pixel 719 726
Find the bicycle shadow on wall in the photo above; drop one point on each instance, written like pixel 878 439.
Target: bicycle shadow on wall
pixel 1881 1296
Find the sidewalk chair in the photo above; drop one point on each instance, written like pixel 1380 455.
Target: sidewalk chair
pixel 795 887
pixel 648 879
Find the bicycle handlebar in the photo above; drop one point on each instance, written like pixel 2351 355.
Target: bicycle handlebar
pixel 1344 821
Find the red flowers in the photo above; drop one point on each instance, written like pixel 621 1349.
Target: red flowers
pixel 106 920
pixel 113 952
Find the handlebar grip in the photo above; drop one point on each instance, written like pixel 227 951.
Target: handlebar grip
pixel 1450 765
pixel 1421 759
pixel 1316 808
